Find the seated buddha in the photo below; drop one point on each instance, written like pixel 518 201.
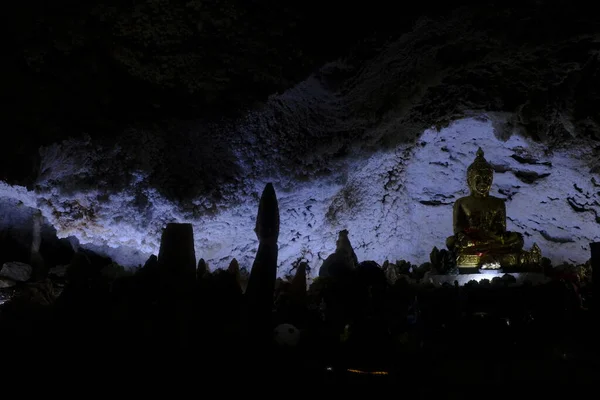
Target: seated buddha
pixel 480 237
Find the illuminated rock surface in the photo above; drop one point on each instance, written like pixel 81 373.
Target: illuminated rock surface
pixel 396 204
pixel 345 148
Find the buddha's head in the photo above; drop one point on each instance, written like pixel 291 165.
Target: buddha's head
pixel 480 175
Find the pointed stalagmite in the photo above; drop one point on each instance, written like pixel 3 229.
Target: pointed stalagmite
pixel 343 246
pixel 202 269
pixel 342 261
pixel 261 284
pixel 267 220
pixel 297 305
pixel 177 254
pixel 150 270
pixel 234 270
pixel 234 267
pixel 298 287
pixel 151 263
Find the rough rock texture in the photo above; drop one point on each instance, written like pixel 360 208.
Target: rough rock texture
pixel 397 203
pixel 105 65
pixel 351 126
pixel 16 271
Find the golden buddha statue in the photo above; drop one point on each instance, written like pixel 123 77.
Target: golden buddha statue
pixel 480 237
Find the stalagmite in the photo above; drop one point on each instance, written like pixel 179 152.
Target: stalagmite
pixel 298 296
pixel 298 288
pixel 342 261
pixel 151 264
pixel 261 284
pixel 177 254
pixel 202 269
pixel 234 270
pixel 177 266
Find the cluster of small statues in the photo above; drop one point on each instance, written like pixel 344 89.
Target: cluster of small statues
pixel 480 239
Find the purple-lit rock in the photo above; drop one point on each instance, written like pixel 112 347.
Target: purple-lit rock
pixel 396 204
pixel 358 154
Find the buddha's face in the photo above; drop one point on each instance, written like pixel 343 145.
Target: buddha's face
pixel 480 184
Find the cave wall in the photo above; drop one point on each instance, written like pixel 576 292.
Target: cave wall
pixel 104 65
pixel 538 81
pixel 396 203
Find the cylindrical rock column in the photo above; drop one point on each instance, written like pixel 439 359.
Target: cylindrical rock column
pixel 177 254
pixel 261 284
pixel 177 267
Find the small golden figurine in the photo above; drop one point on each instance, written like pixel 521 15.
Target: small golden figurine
pixel 480 237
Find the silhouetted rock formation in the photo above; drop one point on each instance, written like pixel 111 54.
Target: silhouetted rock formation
pixel 151 263
pixel 342 261
pixel 261 284
pixel 202 269
pixel 177 253
pixel 298 286
pixel 234 271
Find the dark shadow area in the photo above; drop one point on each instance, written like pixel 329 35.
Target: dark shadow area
pixel 173 320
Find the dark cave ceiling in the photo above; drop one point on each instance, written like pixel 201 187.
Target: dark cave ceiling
pixel 97 68
pixel 76 67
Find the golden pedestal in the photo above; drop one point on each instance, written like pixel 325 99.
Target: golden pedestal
pixel 471 263
pixel 468 261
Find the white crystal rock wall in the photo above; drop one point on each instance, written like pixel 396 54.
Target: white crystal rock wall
pixel 397 204
pixel 348 148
